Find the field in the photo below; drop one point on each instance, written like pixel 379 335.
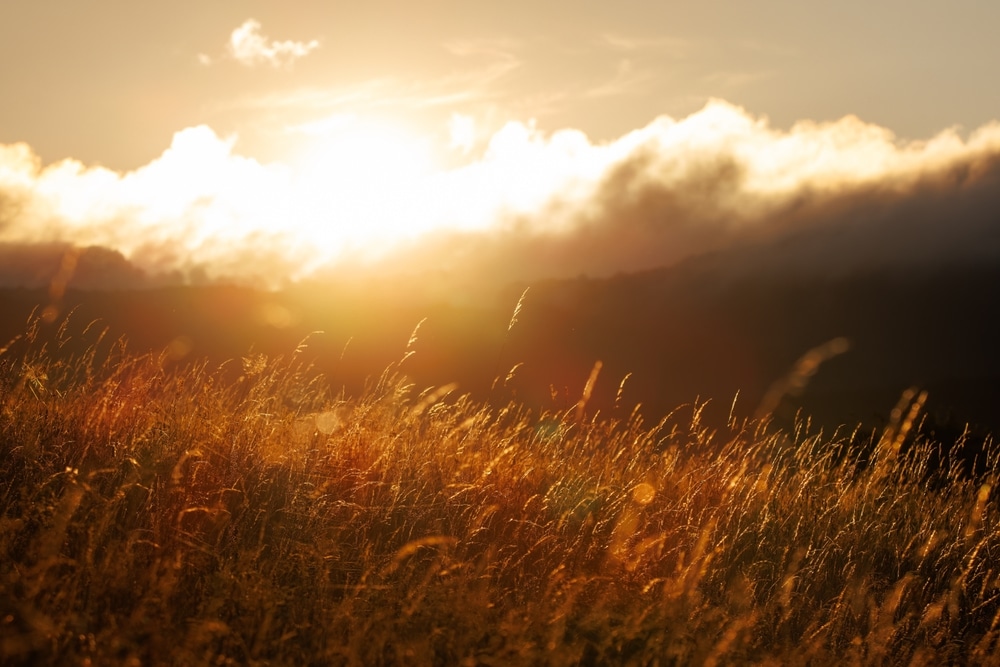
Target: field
pixel 243 514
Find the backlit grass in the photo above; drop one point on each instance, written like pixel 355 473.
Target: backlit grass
pixel 156 514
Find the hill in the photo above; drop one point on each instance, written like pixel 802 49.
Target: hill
pixel 707 328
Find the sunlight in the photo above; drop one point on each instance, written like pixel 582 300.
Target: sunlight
pixel 353 190
pixel 358 182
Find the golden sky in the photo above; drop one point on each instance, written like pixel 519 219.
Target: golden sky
pixel 202 133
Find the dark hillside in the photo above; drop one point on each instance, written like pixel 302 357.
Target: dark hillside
pixel 686 332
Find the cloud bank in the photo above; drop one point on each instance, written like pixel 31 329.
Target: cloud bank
pixel 528 205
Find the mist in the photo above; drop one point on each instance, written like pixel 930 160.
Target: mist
pixel 523 205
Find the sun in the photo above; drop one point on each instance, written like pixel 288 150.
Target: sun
pixel 365 187
pixel 361 182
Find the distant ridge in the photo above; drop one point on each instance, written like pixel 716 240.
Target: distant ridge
pixel 35 265
pixel 679 334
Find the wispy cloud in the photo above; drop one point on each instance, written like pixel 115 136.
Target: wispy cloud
pixel 501 49
pixel 675 47
pixel 736 78
pixel 628 79
pixel 475 82
pixel 641 64
pixel 248 46
pixel 475 88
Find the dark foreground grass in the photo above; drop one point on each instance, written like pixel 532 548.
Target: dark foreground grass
pixel 203 516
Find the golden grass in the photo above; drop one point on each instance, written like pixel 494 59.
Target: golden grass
pixel 243 515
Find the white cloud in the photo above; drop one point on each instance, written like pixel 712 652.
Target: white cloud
pixel 462 132
pixel 248 46
pixel 538 202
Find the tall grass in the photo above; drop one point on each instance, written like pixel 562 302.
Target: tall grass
pixel 155 514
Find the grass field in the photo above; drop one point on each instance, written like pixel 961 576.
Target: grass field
pixel 198 515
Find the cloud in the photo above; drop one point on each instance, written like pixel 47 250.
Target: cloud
pixel 627 80
pixel 737 78
pixel 462 132
pixel 503 49
pixel 249 47
pixel 524 204
pixel 485 63
pixel 198 209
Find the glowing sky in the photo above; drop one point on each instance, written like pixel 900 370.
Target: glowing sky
pixel 251 138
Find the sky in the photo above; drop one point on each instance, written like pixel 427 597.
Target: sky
pixel 269 142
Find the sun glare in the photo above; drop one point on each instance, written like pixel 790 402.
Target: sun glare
pixel 359 180
pixel 354 190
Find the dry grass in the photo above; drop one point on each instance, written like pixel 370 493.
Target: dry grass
pixel 192 516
